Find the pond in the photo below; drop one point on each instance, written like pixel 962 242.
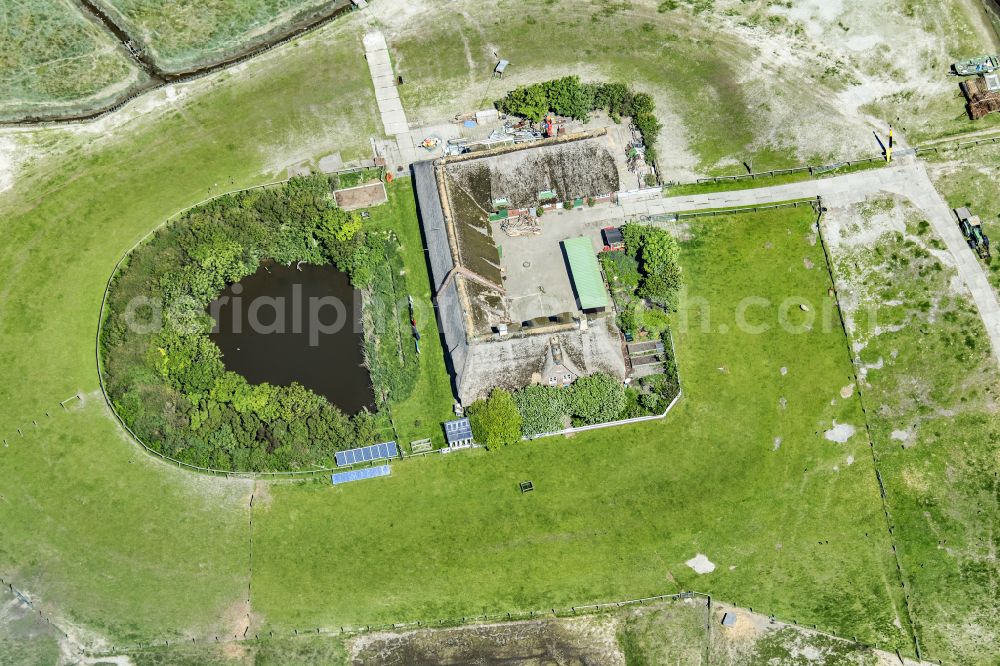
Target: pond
pixel 287 324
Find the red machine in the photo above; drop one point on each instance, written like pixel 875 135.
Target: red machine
pixel 613 239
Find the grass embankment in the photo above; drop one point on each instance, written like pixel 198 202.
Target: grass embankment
pixel 680 58
pixel 52 58
pixel 932 395
pixel 420 415
pixel 182 36
pixel 740 471
pixel 679 633
pixel 93 529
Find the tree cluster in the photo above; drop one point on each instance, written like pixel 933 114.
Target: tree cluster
pixel 657 255
pixel 572 98
pixel 166 377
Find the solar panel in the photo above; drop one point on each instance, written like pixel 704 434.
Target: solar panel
pixel 359 474
pixel 457 430
pixel 366 453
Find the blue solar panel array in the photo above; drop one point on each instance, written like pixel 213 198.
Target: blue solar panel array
pixel 359 474
pixel 366 454
pixel 458 430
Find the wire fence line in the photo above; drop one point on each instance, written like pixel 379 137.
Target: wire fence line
pixel 810 169
pixel 712 604
pixel 908 603
pixel 26 600
pixel 819 170
pixel 957 145
pixel 814 202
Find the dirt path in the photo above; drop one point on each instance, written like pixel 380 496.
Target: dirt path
pixel 908 179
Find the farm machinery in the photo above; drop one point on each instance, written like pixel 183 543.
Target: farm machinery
pixel 981 65
pixel 972 230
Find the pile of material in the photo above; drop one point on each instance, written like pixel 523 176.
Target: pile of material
pixel 522 225
pixel 982 95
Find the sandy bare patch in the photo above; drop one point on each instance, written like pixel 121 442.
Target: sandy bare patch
pixel 580 640
pixel 840 432
pixel 701 564
pixel 362 196
pixel 847 391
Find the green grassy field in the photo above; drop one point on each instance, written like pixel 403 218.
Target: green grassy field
pixel 617 512
pixel 54 59
pixel 181 36
pixel 932 396
pixel 131 549
pixel 98 533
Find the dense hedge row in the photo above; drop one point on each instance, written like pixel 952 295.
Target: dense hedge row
pixel 166 378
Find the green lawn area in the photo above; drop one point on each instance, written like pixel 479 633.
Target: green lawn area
pixel 132 549
pixel 420 415
pixel 52 59
pixel 795 530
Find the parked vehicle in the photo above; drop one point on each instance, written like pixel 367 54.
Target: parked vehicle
pixel 981 65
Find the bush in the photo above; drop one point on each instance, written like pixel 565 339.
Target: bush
pixel 542 409
pixel 597 398
pixel 656 252
pixel 495 421
pixel 621 269
pixel 655 321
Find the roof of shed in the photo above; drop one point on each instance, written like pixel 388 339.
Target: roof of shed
pixel 586 273
pixel 432 222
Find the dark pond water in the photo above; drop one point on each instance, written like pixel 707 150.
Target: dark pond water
pixel 282 324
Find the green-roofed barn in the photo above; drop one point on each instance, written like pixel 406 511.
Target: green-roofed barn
pixel 586 274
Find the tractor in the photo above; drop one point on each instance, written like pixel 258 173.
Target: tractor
pixel 979 242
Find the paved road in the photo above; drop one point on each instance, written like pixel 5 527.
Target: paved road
pixel 908 180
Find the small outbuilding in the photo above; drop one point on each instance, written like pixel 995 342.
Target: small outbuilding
pixel 586 274
pixel 458 433
pixel 613 238
pixel 500 68
pixel 729 619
